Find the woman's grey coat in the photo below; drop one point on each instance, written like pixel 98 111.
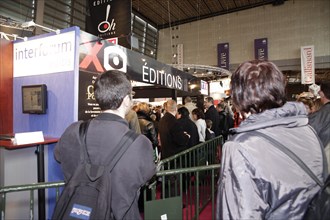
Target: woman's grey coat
pixel 257 180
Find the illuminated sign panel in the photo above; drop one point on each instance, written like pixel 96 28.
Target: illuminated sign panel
pixel 204 87
pixel 45 55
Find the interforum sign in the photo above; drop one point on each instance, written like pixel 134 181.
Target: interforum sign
pixel 45 55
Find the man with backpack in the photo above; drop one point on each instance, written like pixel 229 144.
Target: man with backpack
pixel 104 163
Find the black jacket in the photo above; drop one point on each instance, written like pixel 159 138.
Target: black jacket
pixel 172 137
pixel 320 121
pixel 147 128
pixel 213 115
pixel 226 122
pixel 190 127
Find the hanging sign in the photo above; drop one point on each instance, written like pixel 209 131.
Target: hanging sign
pixel 223 55
pixel 261 49
pixel 307 65
pixel 109 18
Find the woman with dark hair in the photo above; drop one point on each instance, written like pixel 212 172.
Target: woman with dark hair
pixel 188 126
pixel 199 118
pixel 259 181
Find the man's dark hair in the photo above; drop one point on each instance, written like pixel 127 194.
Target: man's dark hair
pixel 184 112
pixel 257 86
pixel 110 89
pixel 209 99
pixel 325 88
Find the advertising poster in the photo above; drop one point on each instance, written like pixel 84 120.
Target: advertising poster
pixel 261 49
pixel 109 18
pixel 307 65
pixel 223 55
pixel 88 107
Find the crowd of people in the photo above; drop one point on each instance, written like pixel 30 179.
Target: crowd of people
pixel 173 127
pixel 256 181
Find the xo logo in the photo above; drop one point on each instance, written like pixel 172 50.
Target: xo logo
pixel 115 59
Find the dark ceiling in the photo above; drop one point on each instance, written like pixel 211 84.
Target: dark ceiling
pixel 168 13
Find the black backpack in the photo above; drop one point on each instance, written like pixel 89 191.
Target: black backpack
pixel 87 194
pixel 319 206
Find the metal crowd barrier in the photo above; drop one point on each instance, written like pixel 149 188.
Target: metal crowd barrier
pixel 182 193
pixel 205 153
pixel 27 187
pixel 189 177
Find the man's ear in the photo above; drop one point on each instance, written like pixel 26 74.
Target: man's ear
pixel 127 101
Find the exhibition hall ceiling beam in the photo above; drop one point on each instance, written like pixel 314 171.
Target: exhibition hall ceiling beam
pixel 168 13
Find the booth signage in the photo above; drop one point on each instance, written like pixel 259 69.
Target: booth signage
pixel 261 49
pixel 307 65
pixel 45 55
pixel 204 88
pixel 109 18
pixel 223 55
pixel 88 107
pixel 97 56
pixel 100 57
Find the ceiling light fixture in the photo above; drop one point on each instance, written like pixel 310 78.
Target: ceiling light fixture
pixel 15 36
pixel 33 24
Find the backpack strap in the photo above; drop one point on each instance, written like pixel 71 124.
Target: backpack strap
pixel 113 157
pixel 289 153
pixel 121 148
pixel 82 134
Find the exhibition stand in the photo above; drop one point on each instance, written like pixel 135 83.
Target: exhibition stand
pixel 68 64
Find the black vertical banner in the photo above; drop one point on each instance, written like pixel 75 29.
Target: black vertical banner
pixel 87 105
pixel 109 18
pixel 223 55
pixel 261 49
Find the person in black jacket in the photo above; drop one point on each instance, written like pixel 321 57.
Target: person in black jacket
pixel 147 127
pixel 112 92
pixel 226 120
pixel 320 120
pixel 212 114
pixel 188 126
pixel 173 139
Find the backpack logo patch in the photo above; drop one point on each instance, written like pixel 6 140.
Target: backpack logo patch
pixel 80 212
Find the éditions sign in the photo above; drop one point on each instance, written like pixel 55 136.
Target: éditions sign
pixel 100 57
